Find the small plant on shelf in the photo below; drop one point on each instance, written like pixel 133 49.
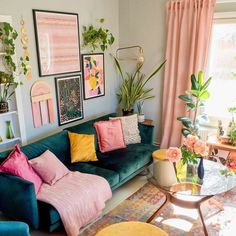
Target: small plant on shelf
pixel 8 36
pixel 97 37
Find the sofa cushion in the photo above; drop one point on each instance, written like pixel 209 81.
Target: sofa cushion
pixel 111 176
pixel 58 144
pixel 126 161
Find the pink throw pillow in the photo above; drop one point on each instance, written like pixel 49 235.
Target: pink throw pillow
pixel 110 135
pixel 49 167
pixel 17 164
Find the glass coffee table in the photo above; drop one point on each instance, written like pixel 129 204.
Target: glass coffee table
pixel 190 194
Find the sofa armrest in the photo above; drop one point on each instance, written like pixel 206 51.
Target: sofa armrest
pixel 146 133
pixel 14 228
pixel 18 199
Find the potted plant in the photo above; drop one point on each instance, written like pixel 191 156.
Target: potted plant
pixel 94 37
pixel 194 99
pixel 8 36
pixel 141 116
pixel 132 88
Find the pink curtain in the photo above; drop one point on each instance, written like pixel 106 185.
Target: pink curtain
pixel 189 24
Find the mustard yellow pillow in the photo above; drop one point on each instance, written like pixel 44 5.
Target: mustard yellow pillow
pixel 82 147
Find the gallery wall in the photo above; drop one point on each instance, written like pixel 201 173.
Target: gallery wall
pixel 89 12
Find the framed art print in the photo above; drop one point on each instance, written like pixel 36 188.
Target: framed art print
pixel 93 75
pixel 69 98
pixel 57 40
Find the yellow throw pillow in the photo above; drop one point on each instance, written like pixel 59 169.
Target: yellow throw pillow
pixel 82 147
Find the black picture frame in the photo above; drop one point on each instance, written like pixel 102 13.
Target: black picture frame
pixel 62 59
pixel 69 98
pixel 85 79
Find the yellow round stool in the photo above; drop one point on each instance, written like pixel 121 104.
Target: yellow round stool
pixel 163 169
pixel 131 228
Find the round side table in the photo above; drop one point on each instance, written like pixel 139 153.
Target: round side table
pixel 163 169
pixel 131 228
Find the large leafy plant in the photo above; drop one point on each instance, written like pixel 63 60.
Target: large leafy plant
pixel 100 37
pixel 133 87
pixel 8 36
pixel 194 99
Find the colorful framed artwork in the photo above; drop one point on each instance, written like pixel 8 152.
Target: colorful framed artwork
pixel 58 43
pixel 69 99
pixel 93 75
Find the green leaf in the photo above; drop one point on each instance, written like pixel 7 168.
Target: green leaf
pixel 101 20
pixel 195 85
pixel 200 78
pixel 206 84
pixel 186 132
pixel 187 124
pixel 190 105
pixel 204 95
pixel 183 118
pixel 185 98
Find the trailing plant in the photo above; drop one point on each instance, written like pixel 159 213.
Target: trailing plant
pixel 100 37
pixel 133 85
pixel 194 99
pixel 8 36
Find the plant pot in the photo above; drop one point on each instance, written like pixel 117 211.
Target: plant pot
pixel 141 118
pixel 128 113
pixel 4 107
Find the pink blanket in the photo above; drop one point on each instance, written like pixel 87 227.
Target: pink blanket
pixel 79 198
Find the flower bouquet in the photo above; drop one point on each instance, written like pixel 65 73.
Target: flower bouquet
pixel 192 149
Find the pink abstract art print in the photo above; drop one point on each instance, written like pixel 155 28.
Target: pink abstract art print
pixel 93 75
pixel 57 38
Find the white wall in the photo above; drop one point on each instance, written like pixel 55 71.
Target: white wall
pixel 89 12
pixel 143 23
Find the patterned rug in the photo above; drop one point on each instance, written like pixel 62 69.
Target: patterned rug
pixel 140 206
pixel 176 221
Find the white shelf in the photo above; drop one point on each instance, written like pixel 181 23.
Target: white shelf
pixel 8 141
pixel 8 113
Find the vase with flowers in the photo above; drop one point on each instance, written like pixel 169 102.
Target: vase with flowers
pixel 189 154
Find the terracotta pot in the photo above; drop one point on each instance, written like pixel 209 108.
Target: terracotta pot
pixel 4 107
pixel 128 113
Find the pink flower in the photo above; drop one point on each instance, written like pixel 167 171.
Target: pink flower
pixel 190 141
pixel 174 154
pixel 201 148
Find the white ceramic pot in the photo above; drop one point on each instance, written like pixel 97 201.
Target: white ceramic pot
pixel 141 118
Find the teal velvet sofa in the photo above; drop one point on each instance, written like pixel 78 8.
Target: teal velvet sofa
pixel 14 228
pixel 17 198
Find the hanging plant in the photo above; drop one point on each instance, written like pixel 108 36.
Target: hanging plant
pixel 94 37
pixel 8 36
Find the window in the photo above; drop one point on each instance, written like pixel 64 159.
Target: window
pixel 222 67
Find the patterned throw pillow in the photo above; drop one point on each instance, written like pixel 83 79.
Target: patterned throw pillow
pixel 130 128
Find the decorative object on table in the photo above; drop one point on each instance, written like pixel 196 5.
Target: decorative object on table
pixel 93 75
pixel 24 42
pixel 133 88
pixel 9 131
pixel 141 116
pixel 42 103
pixel 194 99
pixel 220 129
pixel 8 83
pixel 58 44
pixel 97 37
pixel 188 153
pixel 161 167
pixel 138 58
pixel 69 98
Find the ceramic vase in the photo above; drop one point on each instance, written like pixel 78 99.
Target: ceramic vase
pixel 9 132
pixel 128 113
pixel 200 169
pixel 4 107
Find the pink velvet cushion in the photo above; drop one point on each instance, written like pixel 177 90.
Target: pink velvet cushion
pixel 110 135
pixel 49 167
pixel 17 164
